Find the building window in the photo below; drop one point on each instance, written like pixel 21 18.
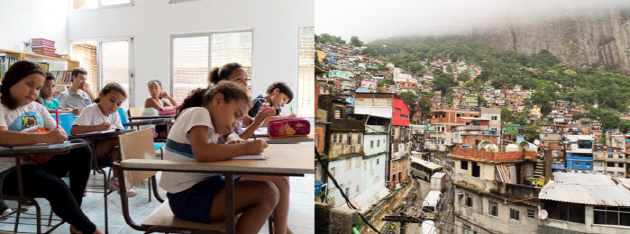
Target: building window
pixel 349 139
pixel 358 162
pixel 194 54
pixel 469 200
pixel 466 229
pixel 372 144
pixel 378 143
pixel 515 215
pixel 610 156
pixel 377 160
pixel 531 214
pixel 347 191
pixel 619 164
pixel 338 112
pixel 610 164
pixel 348 164
pixel 493 209
pixel 495 118
pixel 576 163
pixel 611 215
pixel 620 174
pixel 621 156
pixel 358 139
pixel 588 164
pixel 334 138
pixel 464 165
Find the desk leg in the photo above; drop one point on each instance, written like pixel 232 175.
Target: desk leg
pixel 229 203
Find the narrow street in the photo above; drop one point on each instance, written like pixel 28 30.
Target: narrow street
pixel 409 206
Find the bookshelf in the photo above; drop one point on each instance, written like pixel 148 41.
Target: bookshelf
pixel 68 64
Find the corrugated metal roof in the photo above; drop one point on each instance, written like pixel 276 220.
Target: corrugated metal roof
pixel 586 189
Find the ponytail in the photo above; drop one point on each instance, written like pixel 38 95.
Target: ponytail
pixel 194 99
pixel 218 74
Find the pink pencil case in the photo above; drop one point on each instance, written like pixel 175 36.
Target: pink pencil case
pixel 167 110
pixel 289 127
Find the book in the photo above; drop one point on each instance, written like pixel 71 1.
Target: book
pixel 250 157
pixel 44 66
pixel 42 42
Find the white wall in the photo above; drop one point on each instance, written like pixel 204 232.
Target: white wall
pixel 275 34
pixel 26 19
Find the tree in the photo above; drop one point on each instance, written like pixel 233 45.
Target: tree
pixel 410 99
pixel 531 133
pixel 385 82
pixel 317 63
pixel 425 106
pixel 602 139
pixel 464 76
pixel 505 114
pixel 354 41
pixel 370 52
pixel 444 83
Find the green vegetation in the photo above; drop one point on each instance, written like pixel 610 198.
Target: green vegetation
pixel 540 72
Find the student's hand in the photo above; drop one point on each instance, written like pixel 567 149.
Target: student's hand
pixel 263 114
pixel 56 135
pixel 104 126
pixel 292 115
pixel 164 95
pixel 255 146
pixel 76 111
pixel 85 86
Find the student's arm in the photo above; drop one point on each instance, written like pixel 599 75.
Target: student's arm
pixel 13 138
pixel 78 129
pixel 258 121
pixel 208 152
pixel 170 99
pixel 150 103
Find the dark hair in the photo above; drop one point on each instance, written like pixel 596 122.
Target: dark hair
pixel 15 74
pixel 155 81
pixel 230 90
pixel 49 76
pixel 218 74
pixel 76 71
pixel 111 87
pixel 284 88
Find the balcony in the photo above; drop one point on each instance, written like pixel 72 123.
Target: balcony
pixel 495 187
pixel 470 128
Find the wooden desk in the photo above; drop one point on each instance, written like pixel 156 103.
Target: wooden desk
pixel 281 160
pixel 48 150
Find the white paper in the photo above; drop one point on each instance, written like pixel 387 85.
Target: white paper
pixel 250 157
pixel 262 132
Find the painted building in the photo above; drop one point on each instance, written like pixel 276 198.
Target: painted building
pixel 580 153
pixel 610 162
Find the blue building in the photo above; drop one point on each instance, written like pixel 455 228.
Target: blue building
pixel 580 153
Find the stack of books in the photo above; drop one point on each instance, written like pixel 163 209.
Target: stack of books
pixel 44 47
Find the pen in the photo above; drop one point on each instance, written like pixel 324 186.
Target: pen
pixel 291 109
pixel 57 116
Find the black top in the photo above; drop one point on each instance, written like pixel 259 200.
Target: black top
pixel 258 102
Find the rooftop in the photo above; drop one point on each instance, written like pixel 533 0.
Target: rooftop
pixel 588 189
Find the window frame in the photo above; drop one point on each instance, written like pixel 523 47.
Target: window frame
pixel 209 34
pixel 515 213
pixel 495 205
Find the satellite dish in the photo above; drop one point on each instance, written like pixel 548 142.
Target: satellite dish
pixel 542 214
pixel 536 142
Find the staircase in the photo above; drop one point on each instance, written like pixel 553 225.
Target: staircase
pixel 540 169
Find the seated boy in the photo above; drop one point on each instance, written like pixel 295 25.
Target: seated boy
pixel 278 94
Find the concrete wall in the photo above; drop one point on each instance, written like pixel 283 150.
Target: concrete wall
pixel 372 145
pixel 587 227
pixel 340 149
pixel 347 178
pixel 478 215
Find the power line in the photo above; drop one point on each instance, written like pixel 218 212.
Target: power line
pixel 345 197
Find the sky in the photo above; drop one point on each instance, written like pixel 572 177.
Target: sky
pixel 374 19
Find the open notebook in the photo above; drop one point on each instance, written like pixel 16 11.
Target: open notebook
pixel 250 157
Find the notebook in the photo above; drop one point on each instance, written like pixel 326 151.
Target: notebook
pixel 250 157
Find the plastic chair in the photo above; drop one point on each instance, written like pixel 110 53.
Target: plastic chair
pixel 65 121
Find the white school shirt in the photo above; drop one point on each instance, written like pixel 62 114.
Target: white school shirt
pixel 92 115
pixel 178 148
pixel 33 114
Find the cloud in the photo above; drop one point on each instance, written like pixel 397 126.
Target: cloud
pixel 373 19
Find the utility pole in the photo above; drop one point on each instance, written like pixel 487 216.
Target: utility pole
pixel 403 220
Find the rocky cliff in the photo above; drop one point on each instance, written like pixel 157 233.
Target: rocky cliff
pixel 580 40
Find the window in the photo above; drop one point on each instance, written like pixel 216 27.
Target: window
pixel 347 191
pixel 588 164
pixel 493 209
pixel 585 144
pixel 86 53
pixel 358 162
pixel 338 112
pixel 619 164
pixel 495 118
pixel 515 214
pixel 358 139
pixel 348 164
pixel 193 55
pixel 620 156
pixel 531 214
pixel 95 4
pixel 576 163
pixel 377 160
pixel 610 156
pixel 372 144
pixel 334 138
pixel 378 143
pixel 115 66
pixel 349 139
pixel 466 229
pixel 620 174
pixel 469 200
pixel 610 164
pixel 611 215
pixel 464 165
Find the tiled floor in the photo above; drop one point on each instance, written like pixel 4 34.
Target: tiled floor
pixel 301 213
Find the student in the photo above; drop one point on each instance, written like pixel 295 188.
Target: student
pixel 158 99
pixel 79 94
pixel 278 94
pixel 101 116
pixel 20 87
pixel 234 72
pixel 46 99
pixel 200 197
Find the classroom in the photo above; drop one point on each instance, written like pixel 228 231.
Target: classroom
pixel 177 42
